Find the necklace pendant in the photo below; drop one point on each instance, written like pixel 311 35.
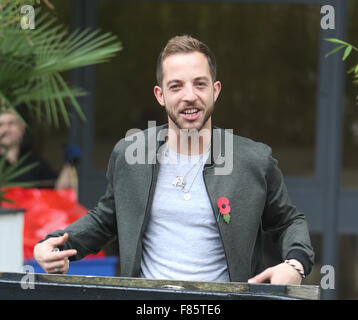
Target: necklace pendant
pixel 179 181
pixel 186 196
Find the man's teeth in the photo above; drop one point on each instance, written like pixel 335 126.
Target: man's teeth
pixel 189 111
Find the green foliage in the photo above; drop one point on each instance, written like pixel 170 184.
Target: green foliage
pixel 32 62
pixel 7 174
pixel 348 48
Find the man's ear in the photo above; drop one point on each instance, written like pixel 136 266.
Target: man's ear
pixel 158 92
pixel 217 89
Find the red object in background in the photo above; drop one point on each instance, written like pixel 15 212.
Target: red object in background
pixel 47 210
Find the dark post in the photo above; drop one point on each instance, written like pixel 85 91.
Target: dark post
pixel 329 139
pixel 82 133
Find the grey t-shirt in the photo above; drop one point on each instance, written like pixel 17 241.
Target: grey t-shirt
pixel 182 241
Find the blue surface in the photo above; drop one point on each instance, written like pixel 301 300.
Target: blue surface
pixel 105 266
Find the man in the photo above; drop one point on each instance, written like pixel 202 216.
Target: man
pixel 12 131
pixel 177 218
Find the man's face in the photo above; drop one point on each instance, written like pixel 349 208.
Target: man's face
pixel 11 129
pixel 187 93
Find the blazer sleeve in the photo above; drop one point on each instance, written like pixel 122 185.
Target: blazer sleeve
pixel 282 219
pixel 90 233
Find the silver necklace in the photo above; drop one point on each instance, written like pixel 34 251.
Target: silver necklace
pixel 180 180
pixel 187 195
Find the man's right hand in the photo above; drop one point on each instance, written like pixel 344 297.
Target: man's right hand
pixel 53 261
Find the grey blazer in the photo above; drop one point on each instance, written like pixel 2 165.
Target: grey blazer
pixel 254 187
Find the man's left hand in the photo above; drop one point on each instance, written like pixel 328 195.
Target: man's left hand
pixel 282 274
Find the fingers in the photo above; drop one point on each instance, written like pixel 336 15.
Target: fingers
pixel 55 266
pixel 56 254
pixel 58 267
pixel 279 274
pixel 262 277
pixel 51 260
pixel 61 255
pixel 59 264
pixel 56 241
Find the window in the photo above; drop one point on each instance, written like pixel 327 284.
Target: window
pixel 267 62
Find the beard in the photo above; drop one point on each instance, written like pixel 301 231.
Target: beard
pixel 198 124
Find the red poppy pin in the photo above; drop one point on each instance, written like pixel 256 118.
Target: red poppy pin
pixel 224 208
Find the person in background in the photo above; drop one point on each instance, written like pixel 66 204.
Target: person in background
pixel 12 131
pixel 68 177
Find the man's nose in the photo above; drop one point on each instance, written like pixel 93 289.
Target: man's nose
pixel 189 94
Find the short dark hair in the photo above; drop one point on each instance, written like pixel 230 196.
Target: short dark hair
pixel 185 44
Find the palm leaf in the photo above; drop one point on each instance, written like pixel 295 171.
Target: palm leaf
pixel 334 40
pixel 31 67
pixel 347 52
pixel 335 50
pixel 34 61
pixel 13 171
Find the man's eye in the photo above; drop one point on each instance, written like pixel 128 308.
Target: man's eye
pixel 201 84
pixel 176 86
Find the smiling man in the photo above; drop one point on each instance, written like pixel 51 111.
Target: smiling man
pixel 179 219
pixel 188 91
pixel 186 74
